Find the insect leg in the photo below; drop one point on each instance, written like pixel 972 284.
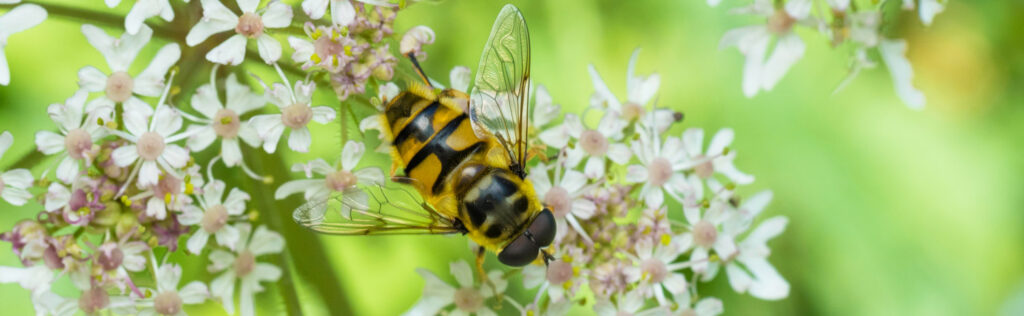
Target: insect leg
pixel 419 70
pixel 482 275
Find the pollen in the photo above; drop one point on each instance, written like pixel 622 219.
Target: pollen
pixel 315 58
pixel 666 239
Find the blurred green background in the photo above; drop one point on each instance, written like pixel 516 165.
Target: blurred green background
pixel 892 211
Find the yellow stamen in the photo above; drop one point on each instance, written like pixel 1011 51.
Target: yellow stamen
pixel 126 201
pixel 666 239
pixel 315 58
pixel 316 34
pixel 167 198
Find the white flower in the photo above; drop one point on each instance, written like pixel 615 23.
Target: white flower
pixel 342 178
pixel 36 278
pixel 242 265
pixel 563 195
pixel 560 278
pixel 151 145
pixel 757 275
pixel 413 41
pixel 544 109
pixel 640 90
pixel 119 86
pixel 707 306
pixel 168 299
pixel 929 9
pixel 893 54
pixel 296 113
pixel 224 122
pixel 468 298
pixel 596 144
pixel 90 301
pixel 250 25
pixel 459 78
pixel 144 9
pixel 661 167
pixel 342 11
pixel 628 303
pixel 213 215
pixel 717 158
pixel 657 272
pixel 762 71
pixel 14 184
pixel 716 229
pixel 117 257
pixel 18 19
pixel 78 133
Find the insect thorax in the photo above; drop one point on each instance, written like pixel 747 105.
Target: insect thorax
pixel 493 205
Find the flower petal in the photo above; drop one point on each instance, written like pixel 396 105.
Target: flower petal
pixel 92 79
pixel 49 143
pixel 151 81
pixel 300 139
pixel 343 13
pixel 788 50
pixel 315 9
pixel 230 52
pixel 351 154
pixel 462 272
pixel 67 170
pixel 893 54
pixel 265 241
pixel 193 293
pixel 125 155
pixel 175 156
pixel 323 114
pixel 269 48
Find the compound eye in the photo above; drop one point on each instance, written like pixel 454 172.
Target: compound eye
pixel 543 228
pixel 519 252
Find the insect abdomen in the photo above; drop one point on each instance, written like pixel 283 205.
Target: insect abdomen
pixel 431 139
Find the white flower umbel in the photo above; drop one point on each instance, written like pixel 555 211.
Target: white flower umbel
pixel 559 279
pixel 223 121
pixel 119 86
pixel 242 266
pixel 341 179
pixel 212 216
pixel 296 112
pixel 150 140
pixel 718 157
pixel 14 184
pixel 564 196
pixel 77 133
pixel 18 19
pixel 762 71
pixel 168 299
pixel 467 298
pixel 894 55
pixel 342 11
pixel 251 24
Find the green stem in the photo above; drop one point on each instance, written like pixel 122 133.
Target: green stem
pixel 304 249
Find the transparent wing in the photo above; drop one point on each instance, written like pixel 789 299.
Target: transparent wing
pixel 386 209
pixel 501 89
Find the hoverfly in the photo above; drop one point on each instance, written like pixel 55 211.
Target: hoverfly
pixel 465 154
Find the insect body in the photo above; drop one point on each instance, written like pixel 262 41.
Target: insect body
pixel 466 162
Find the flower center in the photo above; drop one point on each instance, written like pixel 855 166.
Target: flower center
pixel 226 123
pixel 594 143
pixel 167 303
pixel 249 25
pixel 655 269
pixel 110 259
pixel 559 272
pixel 214 218
pixel 325 46
pixel 244 263
pixel 78 142
pixel 340 180
pixel 468 299
pixel 659 171
pixel 632 111
pixel 704 234
pixel 296 115
pixel 780 22
pixel 93 300
pixel 558 200
pixel 167 185
pixel 119 86
pixel 150 145
pixel 688 312
pixel 704 170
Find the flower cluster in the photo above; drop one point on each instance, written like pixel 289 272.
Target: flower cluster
pixel 643 217
pixel 770 49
